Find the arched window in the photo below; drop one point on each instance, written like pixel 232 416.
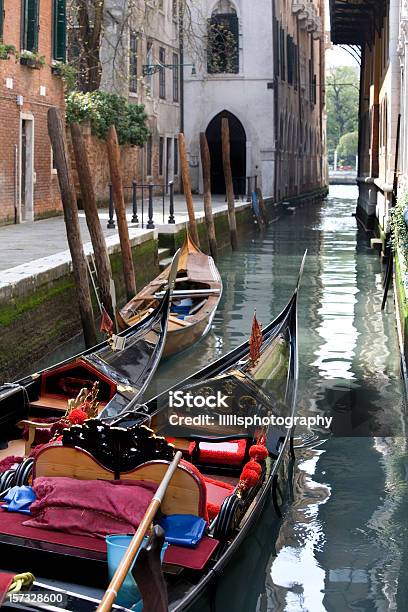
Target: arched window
pixel 223 39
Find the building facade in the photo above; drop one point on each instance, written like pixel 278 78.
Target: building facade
pixel 260 65
pixel 32 39
pixel 140 60
pixel 376 32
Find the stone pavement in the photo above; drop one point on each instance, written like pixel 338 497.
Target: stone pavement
pixel 26 242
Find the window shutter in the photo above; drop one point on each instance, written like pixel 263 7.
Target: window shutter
pixel 234 29
pixel 31 24
pixel 1 19
pixel 59 33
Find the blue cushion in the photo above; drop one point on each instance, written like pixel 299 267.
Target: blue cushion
pixel 183 529
pixel 19 499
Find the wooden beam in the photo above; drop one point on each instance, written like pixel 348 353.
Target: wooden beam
pixel 226 161
pixel 119 200
pixel 102 261
pixel 209 219
pixel 185 174
pixel 56 131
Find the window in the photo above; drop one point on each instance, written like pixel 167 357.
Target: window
pixel 1 19
pixel 176 169
pixel 175 77
pixel 276 46
pixel 59 43
pixel 149 144
pixel 161 155
pixel 223 40
pixel 282 54
pixel 290 56
pixel 175 9
pixel 162 73
pixel 149 62
pixel 30 25
pixel 133 44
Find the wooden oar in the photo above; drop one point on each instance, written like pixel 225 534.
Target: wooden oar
pixel 129 556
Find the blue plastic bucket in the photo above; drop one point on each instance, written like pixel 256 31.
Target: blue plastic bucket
pixel 129 594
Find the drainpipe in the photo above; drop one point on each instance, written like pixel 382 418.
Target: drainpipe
pixel 16 190
pixel 276 106
pixel 181 54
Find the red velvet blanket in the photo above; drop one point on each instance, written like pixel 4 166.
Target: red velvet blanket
pixel 89 507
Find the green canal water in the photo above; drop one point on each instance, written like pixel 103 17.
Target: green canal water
pixel 343 541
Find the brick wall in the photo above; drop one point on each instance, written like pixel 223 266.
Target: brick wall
pixel 30 84
pixel 131 164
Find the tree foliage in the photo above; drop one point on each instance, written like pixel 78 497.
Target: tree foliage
pixel 347 148
pixel 342 97
pixel 102 110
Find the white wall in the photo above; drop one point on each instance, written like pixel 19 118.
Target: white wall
pixel 244 94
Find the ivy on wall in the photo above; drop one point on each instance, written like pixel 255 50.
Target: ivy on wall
pixel 102 110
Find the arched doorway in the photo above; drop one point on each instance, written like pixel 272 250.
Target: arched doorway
pixel 238 153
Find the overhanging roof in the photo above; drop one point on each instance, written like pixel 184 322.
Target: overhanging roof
pixel 354 22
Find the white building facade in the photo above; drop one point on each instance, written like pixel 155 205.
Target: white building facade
pixel 243 93
pixel 253 61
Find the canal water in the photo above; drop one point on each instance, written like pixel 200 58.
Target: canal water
pixel 343 541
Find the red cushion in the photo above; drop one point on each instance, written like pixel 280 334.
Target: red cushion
pixel 217 491
pixel 221 453
pixel 5 582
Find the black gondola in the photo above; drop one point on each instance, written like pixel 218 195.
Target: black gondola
pixel 262 385
pixel 123 374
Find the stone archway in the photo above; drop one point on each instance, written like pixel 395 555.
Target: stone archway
pixel 238 153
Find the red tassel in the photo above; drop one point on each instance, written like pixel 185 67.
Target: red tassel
pixel 253 465
pixel 8 462
pixel 77 416
pixel 258 452
pixel 249 477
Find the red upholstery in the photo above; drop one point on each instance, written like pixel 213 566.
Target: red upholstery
pixel 217 491
pixel 221 453
pixel 214 491
pixel 5 582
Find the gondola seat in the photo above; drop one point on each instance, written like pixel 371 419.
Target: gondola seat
pixel 189 492
pixel 60 384
pixel 225 451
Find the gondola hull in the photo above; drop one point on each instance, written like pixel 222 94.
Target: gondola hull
pixel 201 281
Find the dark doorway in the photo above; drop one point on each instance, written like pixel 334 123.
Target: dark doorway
pixel 238 153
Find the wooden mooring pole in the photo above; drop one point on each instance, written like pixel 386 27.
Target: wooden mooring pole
pixel 185 174
pixel 56 131
pixel 209 219
pixel 102 261
pixel 119 200
pixel 226 161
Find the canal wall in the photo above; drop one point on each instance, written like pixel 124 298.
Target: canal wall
pixel 38 305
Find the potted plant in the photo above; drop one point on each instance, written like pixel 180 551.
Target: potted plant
pixel 6 51
pixel 66 72
pixel 31 59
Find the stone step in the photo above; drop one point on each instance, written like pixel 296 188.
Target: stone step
pixel 164 253
pixel 376 243
pixel 163 263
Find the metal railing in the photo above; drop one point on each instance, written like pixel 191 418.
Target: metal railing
pixel 142 194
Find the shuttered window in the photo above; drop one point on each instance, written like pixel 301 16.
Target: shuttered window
pixel 1 19
pixel 133 50
pixel 30 25
pixel 59 31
